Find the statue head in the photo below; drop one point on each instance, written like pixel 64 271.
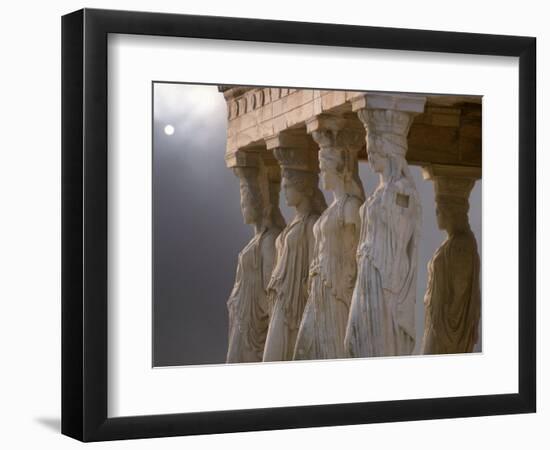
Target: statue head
pixel 251 198
pixel 299 162
pixel 299 186
pixel 260 197
pixel 339 168
pixel 386 153
pixel 377 161
pixel 387 140
pixel 452 205
pixel 272 216
pixel 451 215
pixel 331 164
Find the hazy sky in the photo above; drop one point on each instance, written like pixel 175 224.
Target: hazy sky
pixel 198 229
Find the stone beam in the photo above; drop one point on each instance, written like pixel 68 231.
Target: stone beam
pixel 448 131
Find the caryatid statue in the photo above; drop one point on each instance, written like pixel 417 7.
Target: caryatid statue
pixel 287 290
pixel 453 299
pixel 382 320
pixel 247 304
pixel 333 268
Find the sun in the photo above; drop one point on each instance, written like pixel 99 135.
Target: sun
pixel 169 130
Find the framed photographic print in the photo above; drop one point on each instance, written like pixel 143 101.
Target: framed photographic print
pixel 273 224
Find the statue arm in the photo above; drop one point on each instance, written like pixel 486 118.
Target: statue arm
pixel 310 240
pixel 462 267
pixel 351 214
pixel 268 258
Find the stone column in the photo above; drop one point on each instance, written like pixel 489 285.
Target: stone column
pixel 453 297
pixel 382 319
pixel 388 116
pixel 261 165
pixel 293 149
pixel 333 268
pixel 287 291
pixel 243 158
pixel 259 178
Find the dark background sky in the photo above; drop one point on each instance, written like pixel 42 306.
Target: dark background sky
pixel 198 229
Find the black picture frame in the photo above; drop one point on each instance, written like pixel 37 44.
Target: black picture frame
pixel 84 224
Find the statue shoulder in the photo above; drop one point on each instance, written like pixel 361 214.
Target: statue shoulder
pixel 406 183
pixel 403 186
pixel 312 219
pixel 462 247
pixel 269 238
pixel 352 205
pixel 401 198
pixel 351 210
pixel 310 223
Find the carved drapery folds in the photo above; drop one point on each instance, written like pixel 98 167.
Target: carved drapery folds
pixel 341 281
pixel 287 290
pixel 247 304
pixel 381 320
pixel 453 298
pixel 333 268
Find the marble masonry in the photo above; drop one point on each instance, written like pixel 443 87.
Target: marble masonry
pixel 381 320
pixel 247 304
pixel 453 296
pixel 288 287
pixel 333 269
pixel 341 280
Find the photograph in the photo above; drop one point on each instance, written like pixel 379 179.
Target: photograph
pixel 295 224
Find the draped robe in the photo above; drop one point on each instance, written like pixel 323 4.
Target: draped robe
pixel 331 280
pixel 453 298
pixel 287 290
pixel 247 304
pixel 381 319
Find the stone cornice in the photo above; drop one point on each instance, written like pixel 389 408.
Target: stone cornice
pixel 429 172
pixel 447 132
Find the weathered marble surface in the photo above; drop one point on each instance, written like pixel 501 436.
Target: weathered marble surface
pixel 247 304
pixel 351 269
pixel 287 290
pixel 333 270
pixel 448 131
pixel 453 297
pixel 382 320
